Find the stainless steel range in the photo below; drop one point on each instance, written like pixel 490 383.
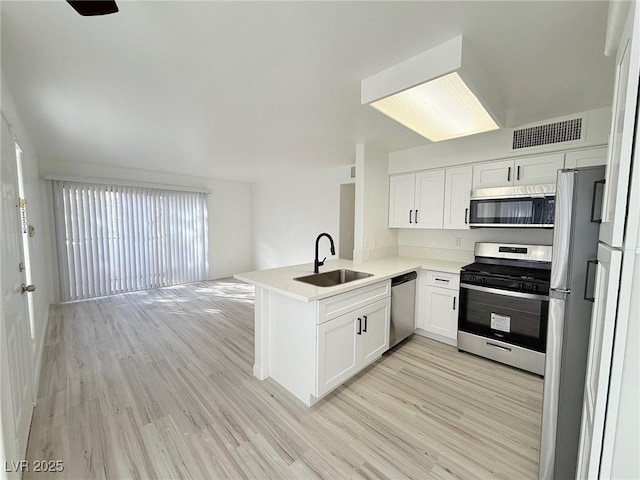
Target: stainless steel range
pixel 504 303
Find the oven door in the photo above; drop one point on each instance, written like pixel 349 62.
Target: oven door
pixel 518 318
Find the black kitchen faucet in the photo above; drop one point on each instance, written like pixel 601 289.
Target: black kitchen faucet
pixel 317 263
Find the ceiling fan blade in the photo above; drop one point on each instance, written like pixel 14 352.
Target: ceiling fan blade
pixel 89 8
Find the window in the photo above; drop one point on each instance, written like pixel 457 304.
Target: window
pixel 115 239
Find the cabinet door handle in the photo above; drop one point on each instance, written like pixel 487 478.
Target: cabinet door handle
pixel 518 173
pixel 509 174
pixel 359 326
pixel 593 201
pixel 410 212
pixel 416 217
pixel 454 303
pixel 365 324
pixel 466 216
pixel 441 280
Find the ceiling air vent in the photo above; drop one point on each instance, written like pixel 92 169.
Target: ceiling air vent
pixel 565 131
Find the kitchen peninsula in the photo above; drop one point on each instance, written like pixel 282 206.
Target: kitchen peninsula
pixel 311 339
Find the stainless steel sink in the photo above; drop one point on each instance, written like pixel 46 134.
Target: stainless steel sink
pixel 333 278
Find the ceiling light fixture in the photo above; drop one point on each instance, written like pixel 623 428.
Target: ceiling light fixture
pixel 440 94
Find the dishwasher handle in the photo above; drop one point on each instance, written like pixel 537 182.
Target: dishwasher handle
pixel 407 277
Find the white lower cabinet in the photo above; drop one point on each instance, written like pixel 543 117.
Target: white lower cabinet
pixel 337 351
pixel 310 348
pixel 441 312
pixel 375 330
pixel 350 342
pixel 438 306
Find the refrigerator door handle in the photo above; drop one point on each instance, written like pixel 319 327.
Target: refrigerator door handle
pixel 562 230
pixel 551 388
pixel 592 298
pixel 594 200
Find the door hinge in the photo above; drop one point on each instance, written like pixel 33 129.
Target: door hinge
pixel 22 202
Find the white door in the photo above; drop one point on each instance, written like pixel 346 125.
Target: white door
pixel 15 368
pixel 493 174
pixel 457 191
pixel 442 312
pixel 538 170
pixel 401 196
pixel 429 201
pixel 599 361
pixel 622 129
pixel 338 351
pixel 375 330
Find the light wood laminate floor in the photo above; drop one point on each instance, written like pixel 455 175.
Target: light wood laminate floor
pixel 158 384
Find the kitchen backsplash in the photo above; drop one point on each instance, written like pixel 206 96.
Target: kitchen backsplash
pixel 438 253
pixel 458 245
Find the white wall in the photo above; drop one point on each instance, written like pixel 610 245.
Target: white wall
pixel 229 210
pixel 372 237
pixel 36 218
pixel 288 215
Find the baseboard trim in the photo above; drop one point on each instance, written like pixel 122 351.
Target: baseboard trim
pixel 260 373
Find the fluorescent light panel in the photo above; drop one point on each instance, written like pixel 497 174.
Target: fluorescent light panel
pixel 439 109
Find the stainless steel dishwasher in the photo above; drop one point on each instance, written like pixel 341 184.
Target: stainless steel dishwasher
pixel 403 307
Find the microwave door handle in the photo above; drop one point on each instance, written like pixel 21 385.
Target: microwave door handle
pixel 539 208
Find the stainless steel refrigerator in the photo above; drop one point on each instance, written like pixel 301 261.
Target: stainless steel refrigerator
pixel 575 248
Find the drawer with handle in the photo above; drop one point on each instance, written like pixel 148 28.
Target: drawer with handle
pixel 443 280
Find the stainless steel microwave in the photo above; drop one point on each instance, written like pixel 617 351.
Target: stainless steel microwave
pixel 521 206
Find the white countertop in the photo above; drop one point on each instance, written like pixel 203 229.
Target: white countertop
pixel 281 280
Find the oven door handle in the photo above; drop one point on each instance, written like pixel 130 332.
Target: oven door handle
pixel 508 293
pixel 500 347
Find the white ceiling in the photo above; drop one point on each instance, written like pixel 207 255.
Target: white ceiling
pixel 252 90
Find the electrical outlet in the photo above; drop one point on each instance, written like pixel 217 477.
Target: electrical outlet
pixel 456 241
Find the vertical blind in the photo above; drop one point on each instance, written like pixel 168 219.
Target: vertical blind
pixel 115 239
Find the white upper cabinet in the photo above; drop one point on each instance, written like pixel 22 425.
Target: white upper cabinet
pixel 416 200
pixel 401 199
pixel 493 174
pixel 538 170
pixel 457 190
pixel 429 199
pixel 521 171
pixel 625 96
pixel 590 157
